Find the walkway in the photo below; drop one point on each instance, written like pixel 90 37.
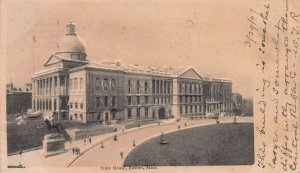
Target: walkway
pixel 110 154
pixel 94 155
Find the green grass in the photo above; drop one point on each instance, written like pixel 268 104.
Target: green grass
pixel 220 144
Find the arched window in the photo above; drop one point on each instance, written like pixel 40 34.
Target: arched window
pixel 129 86
pixel 97 84
pixel 75 83
pixel 146 87
pixel 113 85
pixel 105 85
pixel 70 84
pixel 138 86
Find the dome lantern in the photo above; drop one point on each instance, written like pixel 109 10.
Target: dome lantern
pixel 71 28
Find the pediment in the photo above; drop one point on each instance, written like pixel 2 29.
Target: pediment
pixel 52 60
pixel 190 73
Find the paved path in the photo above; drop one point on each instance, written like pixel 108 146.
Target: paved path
pixel 110 155
pixel 94 155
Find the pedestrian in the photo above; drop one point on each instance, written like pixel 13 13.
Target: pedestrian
pixel 78 151
pixel 121 154
pixel 133 143
pixel 21 152
pixel 115 137
pixel 90 139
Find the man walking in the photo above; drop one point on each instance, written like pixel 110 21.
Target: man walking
pixel 121 154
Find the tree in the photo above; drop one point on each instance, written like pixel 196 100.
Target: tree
pixel 248 107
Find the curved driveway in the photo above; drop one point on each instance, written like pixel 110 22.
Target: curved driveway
pixel 110 155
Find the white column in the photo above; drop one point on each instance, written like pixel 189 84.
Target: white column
pixel 53 86
pixel 158 86
pixel 42 87
pixel 46 86
pixel 39 87
pixel 33 88
pixel 50 86
pixel 58 84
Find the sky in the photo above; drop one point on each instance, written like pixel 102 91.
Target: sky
pixel 208 35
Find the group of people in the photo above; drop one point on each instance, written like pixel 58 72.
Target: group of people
pixel 76 150
pixel 87 138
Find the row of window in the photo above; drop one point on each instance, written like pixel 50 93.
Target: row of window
pixel 76 105
pixel 227 97
pixel 193 109
pixel 138 112
pixel 139 86
pixel 162 100
pixel 161 87
pixel 76 117
pixel 220 89
pixel 218 97
pixel 190 88
pixel 130 100
pixel 74 85
pixel 156 100
pixel 105 85
pixel 106 101
pixel 191 99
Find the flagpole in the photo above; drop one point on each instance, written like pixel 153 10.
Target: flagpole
pixel 33 51
pixel 57 27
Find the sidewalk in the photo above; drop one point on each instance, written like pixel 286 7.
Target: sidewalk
pixel 36 158
pixel 110 155
pixel 93 155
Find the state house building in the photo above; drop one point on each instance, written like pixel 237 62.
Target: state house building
pixel 82 89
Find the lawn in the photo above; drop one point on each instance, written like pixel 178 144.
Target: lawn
pixel 28 136
pixel 219 144
pixel 25 136
pixel 31 134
